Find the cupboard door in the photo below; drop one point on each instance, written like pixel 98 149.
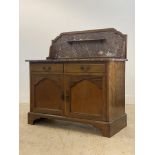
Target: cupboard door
pixel 47 93
pixel 85 96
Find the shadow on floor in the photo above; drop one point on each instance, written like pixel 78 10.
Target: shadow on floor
pixel 67 125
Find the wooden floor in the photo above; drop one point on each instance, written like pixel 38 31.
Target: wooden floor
pixel 53 137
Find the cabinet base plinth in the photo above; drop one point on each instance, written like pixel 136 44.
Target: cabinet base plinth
pixel 107 129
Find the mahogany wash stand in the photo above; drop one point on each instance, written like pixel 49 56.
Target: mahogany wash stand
pixel 82 80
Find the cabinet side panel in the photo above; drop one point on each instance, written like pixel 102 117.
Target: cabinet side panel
pixel 30 76
pixel 116 89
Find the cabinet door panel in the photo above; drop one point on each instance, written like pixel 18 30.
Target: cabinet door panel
pixel 86 96
pixel 47 93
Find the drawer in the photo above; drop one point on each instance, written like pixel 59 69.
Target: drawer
pixel 46 67
pixel 77 68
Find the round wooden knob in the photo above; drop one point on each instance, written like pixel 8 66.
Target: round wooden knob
pixel 49 68
pixel 82 68
pixel 85 68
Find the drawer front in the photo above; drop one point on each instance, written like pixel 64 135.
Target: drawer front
pixel 77 68
pixel 47 67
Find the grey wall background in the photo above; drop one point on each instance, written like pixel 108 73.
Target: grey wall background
pixel 42 20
